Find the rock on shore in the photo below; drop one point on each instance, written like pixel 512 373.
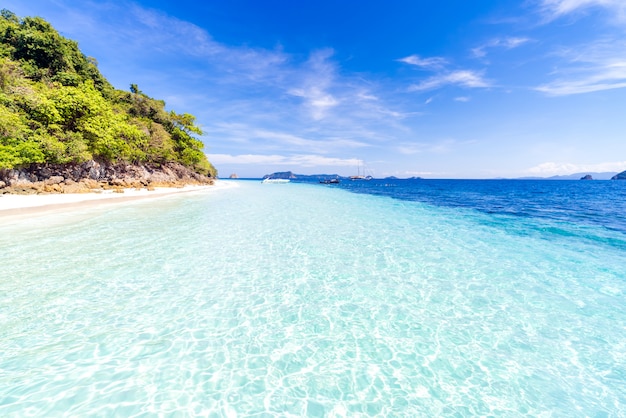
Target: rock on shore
pixel 93 176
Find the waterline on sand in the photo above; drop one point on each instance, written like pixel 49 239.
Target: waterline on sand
pixel 13 204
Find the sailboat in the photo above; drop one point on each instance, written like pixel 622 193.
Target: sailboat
pixel 359 176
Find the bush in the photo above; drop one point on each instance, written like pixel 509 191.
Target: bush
pixel 55 107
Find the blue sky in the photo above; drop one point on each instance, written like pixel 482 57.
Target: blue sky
pixel 431 88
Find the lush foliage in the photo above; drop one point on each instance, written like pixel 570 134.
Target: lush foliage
pixel 56 107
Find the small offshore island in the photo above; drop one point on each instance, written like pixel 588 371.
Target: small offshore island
pixel 65 129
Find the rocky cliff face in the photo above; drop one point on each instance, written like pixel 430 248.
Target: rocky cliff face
pixel 93 175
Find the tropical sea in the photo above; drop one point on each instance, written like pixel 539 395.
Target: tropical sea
pixel 368 298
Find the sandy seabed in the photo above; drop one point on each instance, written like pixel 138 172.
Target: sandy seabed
pixel 16 205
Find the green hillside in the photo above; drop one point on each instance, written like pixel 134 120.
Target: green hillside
pixel 56 108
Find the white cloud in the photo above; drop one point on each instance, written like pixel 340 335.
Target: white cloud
pixel 124 34
pixel 462 78
pixel 404 174
pixel 410 149
pixel 479 52
pixel 366 96
pixel 300 160
pixel 594 67
pixel 510 43
pixel 506 43
pixel 316 84
pixel 554 168
pixel 557 8
pixel 285 140
pixel 462 99
pixel 142 29
pixel 441 146
pixel 245 159
pixel 317 99
pixel 427 63
pixel 266 141
pixel 170 58
pixel 589 85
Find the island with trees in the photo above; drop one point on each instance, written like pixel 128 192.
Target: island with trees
pixel 65 128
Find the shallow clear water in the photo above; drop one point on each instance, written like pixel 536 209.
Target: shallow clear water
pixel 305 300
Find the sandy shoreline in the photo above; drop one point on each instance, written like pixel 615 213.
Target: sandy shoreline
pixel 16 205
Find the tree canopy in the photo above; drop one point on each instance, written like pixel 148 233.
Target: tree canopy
pixel 56 107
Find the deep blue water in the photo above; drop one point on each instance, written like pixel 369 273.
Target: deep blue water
pixel 560 204
pixel 588 202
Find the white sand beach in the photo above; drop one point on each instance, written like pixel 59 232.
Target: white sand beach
pixel 12 204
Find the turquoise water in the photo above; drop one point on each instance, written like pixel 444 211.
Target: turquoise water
pixel 305 300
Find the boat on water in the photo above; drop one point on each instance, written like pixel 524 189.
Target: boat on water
pixel 359 176
pixel 270 180
pixel 330 181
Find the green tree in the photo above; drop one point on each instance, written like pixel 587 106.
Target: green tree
pixel 55 107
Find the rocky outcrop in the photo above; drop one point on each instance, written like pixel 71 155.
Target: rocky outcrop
pixel 619 176
pixel 587 177
pixel 92 176
pixel 233 176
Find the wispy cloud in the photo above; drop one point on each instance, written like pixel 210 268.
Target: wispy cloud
pixel 593 67
pixel 296 107
pixel 267 140
pixel 410 149
pixel 125 34
pixel 426 63
pixel 506 43
pixel 606 78
pixel 290 141
pixel 262 88
pixel 190 38
pixel 316 84
pixel 442 146
pixel 556 8
pixel 302 160
pixel 461 78
pixel 556 168
pixel 155 32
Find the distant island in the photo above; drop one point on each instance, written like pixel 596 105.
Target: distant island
pixel 288 175
pixel 619 176
pixel 319 177
pixel 576 176
pixel 65 128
